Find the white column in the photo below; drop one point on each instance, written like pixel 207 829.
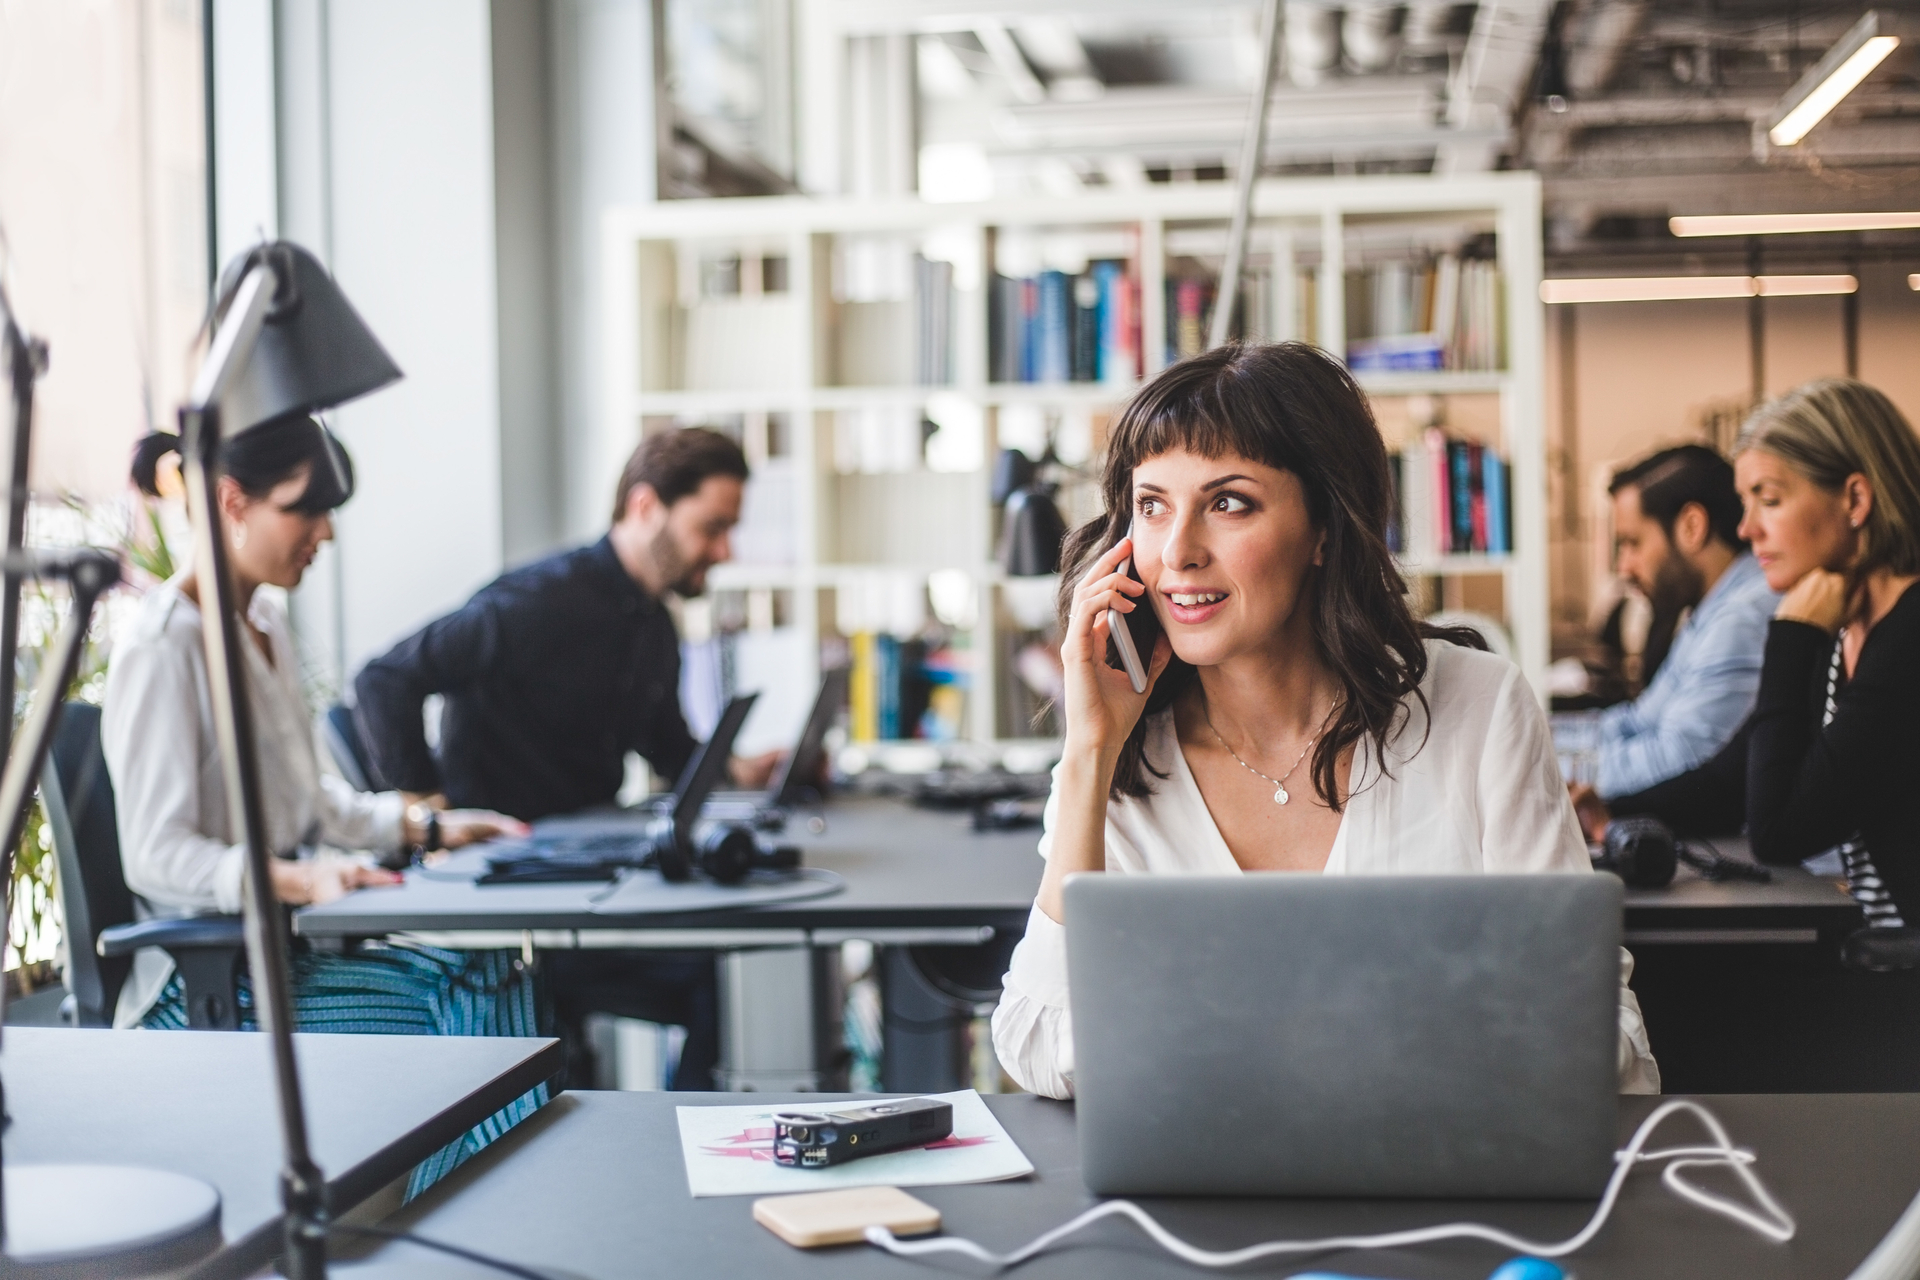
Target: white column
pixel 412 184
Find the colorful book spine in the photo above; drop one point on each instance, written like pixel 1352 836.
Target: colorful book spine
pixel 1477 503
pixel 1053 302
pixel 862 690
pixel 1460 496
pixel 1499 534
pixel 1118 362
pixel 1086 329
pixel 1397 513
pixel 1439 499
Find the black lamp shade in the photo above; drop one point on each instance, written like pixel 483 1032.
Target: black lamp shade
pixel 1030 545
pixel 314 351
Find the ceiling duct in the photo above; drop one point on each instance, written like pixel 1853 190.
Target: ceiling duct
pixel 1312 41
pixel 1371 36
pixel 1598 39
pixel 1427 24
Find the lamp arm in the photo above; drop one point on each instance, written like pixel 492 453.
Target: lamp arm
pixel 26 360
pixel 302 1188
pixel 91 573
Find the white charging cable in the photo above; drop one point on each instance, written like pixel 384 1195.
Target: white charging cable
pixel 1767 1219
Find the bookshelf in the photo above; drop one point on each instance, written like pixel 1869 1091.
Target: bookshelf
pixel 874 356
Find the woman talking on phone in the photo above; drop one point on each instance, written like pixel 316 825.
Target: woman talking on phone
pixel 1297 717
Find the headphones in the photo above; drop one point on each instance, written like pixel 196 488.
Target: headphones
pixel 723 852
pixel 1640 850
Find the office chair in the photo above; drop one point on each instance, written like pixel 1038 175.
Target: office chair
pixel 97 906
pixel 348 749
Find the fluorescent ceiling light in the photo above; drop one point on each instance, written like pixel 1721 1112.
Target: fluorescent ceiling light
pixel 1782 224
pixel 1864 47
pixel 1913 283
pixel 1684 288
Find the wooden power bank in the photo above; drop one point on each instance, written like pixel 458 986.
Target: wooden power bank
pixel 820 1218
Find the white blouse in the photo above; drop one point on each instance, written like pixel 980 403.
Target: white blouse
pixel 1474 789
pixel 177 842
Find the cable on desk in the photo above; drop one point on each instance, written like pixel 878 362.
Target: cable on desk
pixel 1769 1220
pixel 466 1255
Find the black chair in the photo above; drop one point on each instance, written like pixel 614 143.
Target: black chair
pixel 348 749
pixel 102 935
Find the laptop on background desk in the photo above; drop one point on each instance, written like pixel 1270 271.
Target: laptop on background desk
pixel 1310 1035
pixel 798 778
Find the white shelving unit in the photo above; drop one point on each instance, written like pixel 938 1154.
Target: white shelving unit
pixel 775 373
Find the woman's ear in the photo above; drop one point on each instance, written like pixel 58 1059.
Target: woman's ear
pixel 233 500
pixel 1320 549
pixel 1858 494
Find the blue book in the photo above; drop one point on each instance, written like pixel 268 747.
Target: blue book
pixel 1460 491
pixel 1114 363
pixel 1494 479
pixel 1029 330
pixel 1053 353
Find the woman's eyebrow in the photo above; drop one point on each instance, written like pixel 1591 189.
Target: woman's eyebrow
pixel 1148 488
pixel 1215 484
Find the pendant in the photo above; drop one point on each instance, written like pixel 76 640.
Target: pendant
pixel 1280 794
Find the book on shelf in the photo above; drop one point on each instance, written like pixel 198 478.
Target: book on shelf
pixel 1439 313
pixel 933 316
pixel 901 688
pixel 1451 497
pixel 1055 327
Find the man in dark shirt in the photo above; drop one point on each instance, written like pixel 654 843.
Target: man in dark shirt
pixel 553 672
pixel 550 675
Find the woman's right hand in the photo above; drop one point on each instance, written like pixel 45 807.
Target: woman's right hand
pixel 310 881
pixel 1101 706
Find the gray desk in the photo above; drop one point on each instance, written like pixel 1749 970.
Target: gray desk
pixel 916 875
pixel 1794 907
pixel 925 879
pixel 202 1103
pixel 912 876
pixel 595 1187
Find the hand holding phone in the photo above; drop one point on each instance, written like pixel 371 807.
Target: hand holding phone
pixel 1133 633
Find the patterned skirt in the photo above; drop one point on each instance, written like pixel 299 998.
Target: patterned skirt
pixel 387 989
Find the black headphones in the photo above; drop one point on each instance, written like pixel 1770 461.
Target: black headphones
pixel 1640 850
pixel 723 852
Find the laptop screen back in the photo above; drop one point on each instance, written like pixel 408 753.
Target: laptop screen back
pixel 1277 1034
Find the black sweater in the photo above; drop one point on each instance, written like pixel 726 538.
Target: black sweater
pixel 1802 788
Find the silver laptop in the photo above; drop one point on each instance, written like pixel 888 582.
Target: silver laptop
pixel 1284 1034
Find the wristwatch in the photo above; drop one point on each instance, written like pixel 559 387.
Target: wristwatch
pixel 427 819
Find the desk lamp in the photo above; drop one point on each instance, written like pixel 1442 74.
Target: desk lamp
pixel 69 1219
pixel 285 339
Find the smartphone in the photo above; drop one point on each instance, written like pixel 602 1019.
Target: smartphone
pixel 1133 634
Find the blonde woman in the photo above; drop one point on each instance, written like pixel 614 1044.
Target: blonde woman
pixel 1830 760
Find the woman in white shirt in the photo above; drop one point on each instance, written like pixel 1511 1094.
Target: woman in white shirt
pixel 178 848
pixel 1298 718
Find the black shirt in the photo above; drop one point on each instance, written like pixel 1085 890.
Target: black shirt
pixel 1804 787
pixel 551 674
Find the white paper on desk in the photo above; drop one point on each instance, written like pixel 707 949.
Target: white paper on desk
pixel 729 1152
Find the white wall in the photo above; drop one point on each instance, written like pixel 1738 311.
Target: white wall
pixel 449 160
pixel 413 245
pixel 603 120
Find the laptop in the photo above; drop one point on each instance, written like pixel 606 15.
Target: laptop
pixel 797 778
pixel 597 846
pixel 1309 1035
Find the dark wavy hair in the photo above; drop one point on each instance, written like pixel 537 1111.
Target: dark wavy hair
pixel 1293 407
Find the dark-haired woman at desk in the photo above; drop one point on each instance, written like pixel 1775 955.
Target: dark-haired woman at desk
pixel 1830 759
pixel 283 479
pixel 1299 717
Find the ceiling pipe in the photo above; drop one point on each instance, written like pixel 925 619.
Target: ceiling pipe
pixel 1371 36
pixel 1313 41
pixel 1600 34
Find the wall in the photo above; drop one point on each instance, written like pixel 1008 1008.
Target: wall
pixel 103 243
pixel 417 149
pixel 1650 374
